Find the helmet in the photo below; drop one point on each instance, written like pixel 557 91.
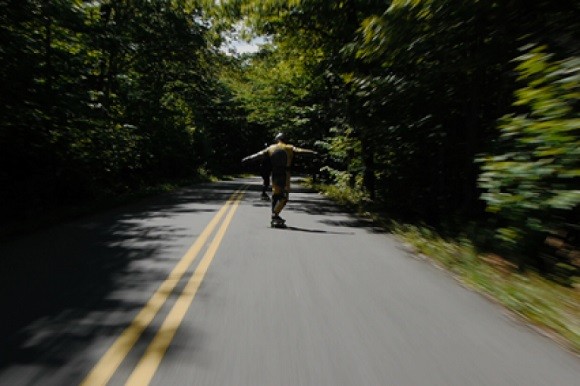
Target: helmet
pixel 280 137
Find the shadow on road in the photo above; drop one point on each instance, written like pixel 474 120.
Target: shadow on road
pixel 317 205
pixel 67 275
pixel 54 278
pixel 289 228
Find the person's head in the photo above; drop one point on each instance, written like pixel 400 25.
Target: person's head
pixel 280 137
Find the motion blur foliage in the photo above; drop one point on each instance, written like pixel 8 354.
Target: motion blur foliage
pixel 532 181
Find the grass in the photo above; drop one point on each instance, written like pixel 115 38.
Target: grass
pixel 543 303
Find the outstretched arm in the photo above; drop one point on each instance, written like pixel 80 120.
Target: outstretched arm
pixel 254 156
pixel 301 150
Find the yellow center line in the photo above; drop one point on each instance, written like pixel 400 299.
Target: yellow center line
pixel 147 366
pixel 110 361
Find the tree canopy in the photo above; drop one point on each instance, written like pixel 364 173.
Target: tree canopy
pixel 433 109
pixel 437 109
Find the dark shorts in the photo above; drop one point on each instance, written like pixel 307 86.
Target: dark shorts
pixel 280 183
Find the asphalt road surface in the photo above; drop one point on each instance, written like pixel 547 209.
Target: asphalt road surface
pixel 195 288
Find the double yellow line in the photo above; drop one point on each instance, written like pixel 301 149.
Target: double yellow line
pixel 145 369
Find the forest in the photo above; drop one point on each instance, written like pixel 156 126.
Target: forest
pixel 436 111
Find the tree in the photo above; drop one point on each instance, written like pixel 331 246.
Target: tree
pixel 104 97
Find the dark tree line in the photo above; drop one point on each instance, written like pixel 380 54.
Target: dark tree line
pixel 105 97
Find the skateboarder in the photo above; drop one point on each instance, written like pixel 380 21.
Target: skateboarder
pixel 281 155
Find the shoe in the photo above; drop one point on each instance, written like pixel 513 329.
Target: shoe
pixel 277 218
pixel 265 197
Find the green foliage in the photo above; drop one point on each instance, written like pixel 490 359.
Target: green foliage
pixel 532 181
pixel 436 86
pixel 105 97
pixel 295 84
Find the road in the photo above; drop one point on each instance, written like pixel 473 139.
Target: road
pixel 195 288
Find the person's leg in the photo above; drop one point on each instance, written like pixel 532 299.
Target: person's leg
pixel 283 196
pixel 279 194
pixel 281 200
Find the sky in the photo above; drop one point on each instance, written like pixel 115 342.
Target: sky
pixel 239 46
pixel 234 44
pixel 242 47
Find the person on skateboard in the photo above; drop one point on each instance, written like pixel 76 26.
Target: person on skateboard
pixel 281 155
